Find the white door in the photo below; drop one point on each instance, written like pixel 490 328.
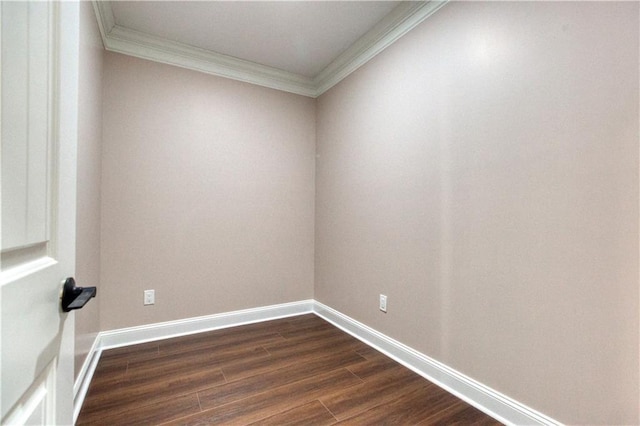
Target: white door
pixel 39 58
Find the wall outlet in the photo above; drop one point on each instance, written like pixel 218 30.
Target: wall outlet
pixel 383 303
pixel 149 297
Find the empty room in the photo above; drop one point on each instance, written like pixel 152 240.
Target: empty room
pixel 320 212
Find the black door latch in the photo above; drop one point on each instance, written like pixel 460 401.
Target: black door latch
pixel 75 297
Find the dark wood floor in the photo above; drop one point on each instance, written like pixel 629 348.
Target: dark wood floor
pixel 299 370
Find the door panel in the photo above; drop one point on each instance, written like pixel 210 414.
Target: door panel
pixel 26 120
pixel 37 407
pixel 39 58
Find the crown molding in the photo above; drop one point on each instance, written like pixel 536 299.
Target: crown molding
pixel 141 45
pixel 105 18
pixel 402 19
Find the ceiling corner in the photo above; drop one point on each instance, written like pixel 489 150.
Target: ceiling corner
pixel 105 18
pixel 402 19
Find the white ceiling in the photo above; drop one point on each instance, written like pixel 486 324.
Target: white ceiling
pixel 294 36
pixel 303 47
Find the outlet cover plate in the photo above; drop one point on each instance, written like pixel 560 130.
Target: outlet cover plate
pixel 383 303
pixel 149 297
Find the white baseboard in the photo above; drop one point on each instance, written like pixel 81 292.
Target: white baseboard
pixel 165 330
pixel 81 385
pixel 492 402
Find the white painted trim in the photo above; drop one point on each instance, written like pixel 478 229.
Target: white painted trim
pixel 169 329
pixel 81 385
pixel 402 19
pixel 165 330
pixel 141 45
pixel 490 401
pixel 104 13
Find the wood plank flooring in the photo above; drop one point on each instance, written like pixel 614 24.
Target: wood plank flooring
pixel 300 370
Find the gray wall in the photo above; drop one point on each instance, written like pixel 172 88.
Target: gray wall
pixel 482 172
pixel 207 194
